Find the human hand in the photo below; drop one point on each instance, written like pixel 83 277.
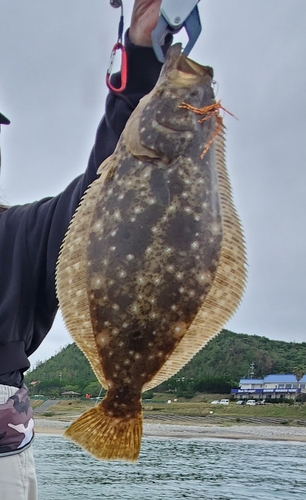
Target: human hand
pixel 144 19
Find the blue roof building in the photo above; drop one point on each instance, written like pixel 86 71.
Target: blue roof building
pixel 271 386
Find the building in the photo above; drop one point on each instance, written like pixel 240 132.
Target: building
pixel 272 386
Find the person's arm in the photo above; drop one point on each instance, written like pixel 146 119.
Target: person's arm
pixel 37 230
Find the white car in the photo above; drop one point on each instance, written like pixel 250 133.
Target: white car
pixel 215 402
pixel 224 402
pixel 251 402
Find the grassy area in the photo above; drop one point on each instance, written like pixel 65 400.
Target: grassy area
pixel 196 407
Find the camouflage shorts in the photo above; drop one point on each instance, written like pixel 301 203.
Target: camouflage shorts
pixel 16 420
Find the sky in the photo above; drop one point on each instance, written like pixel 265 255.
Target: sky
pixel 53 60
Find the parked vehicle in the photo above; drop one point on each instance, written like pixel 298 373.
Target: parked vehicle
pixel 240 402
pixel 251 402
pixel 224 402
pixel 215 402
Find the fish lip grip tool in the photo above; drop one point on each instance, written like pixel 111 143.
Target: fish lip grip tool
pixel 175 15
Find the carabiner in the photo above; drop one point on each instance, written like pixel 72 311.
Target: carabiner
pixel 123 69
pixel 118 46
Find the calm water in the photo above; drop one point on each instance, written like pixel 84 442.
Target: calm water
pixel 175 469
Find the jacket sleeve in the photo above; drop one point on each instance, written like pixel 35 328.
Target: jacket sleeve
pixel 41 226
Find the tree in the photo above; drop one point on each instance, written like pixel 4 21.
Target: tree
pixel 299 372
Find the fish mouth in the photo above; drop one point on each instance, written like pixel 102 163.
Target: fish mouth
pixel 190 67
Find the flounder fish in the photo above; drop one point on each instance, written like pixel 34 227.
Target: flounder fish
pixel 153 263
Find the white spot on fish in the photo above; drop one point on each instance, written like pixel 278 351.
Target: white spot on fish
pixel 122 274
pixel 188 210
pixel 182 289
pixel 130 257
pixel 195 245
pixel 125 325
pixel 115 307
pixel 102 339
pixel 113 233
pixel 117 215
pixel 126 362
pixel 179 276
pixel 215 228
pixel 97 226
pixel 149 250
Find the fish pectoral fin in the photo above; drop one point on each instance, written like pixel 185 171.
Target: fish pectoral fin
pixel 107 437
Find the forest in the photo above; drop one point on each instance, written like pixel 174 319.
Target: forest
pixel 215 369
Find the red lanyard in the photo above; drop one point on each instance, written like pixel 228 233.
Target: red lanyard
pixel 118 47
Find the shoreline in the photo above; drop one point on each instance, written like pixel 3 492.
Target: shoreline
pixel 158 430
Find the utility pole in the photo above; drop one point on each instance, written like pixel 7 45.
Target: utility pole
pixel 252 370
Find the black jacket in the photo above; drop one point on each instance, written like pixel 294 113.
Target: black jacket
pixel 31 235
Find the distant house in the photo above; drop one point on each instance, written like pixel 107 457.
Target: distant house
pixel 71 394
pixel 271 386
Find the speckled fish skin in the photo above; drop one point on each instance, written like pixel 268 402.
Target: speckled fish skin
pixel 153 263
pixel 155 240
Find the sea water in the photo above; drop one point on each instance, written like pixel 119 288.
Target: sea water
pixel 206 469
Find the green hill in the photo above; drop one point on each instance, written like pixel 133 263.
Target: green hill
pixel 215 368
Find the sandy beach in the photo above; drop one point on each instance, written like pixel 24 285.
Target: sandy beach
pixel 165 430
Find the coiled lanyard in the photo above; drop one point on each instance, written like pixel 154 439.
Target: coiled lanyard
pixel 118 47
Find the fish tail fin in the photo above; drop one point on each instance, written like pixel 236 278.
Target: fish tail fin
pixel 105 436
